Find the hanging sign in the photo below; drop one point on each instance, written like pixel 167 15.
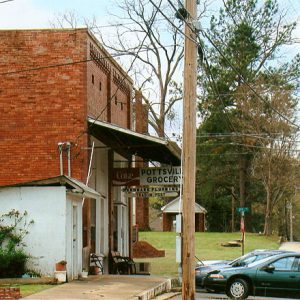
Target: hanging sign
pixel 152 191
pixel 125 176
pixel 160 176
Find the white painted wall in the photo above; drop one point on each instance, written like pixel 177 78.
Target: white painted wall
pixel 49 239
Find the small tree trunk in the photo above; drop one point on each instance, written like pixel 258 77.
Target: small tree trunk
pixel 267 226
pixel 242 183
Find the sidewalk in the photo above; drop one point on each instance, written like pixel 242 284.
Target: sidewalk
pixel 292 246
pixel 108 287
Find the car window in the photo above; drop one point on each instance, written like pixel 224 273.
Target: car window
pixel 246 260
pixel 250 259
pixel 242 258
pixel 284 264
pixel 255 258
pixel 297 264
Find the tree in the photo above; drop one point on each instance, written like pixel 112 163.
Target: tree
pixel 242 64
pixel 156 47
pixel 274 164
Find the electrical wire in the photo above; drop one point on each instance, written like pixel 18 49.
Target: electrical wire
pixel 124 77
pixel 247 84
pixel 4 1
pixel 171 22
pixel 50 66
pixel 66 64
pixel 230 64
pixel 216 89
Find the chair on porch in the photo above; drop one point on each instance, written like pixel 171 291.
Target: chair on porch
pixel 97 261
pixel 122 264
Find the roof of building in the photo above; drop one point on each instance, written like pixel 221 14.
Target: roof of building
pixel 128 142
pixel 173 207
pixel 72 184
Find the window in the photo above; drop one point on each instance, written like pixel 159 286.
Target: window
pixel 284 264
pixel 93 79
pixel 100 86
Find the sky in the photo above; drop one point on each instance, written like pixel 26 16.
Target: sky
pixel 39 13
pixel 20 14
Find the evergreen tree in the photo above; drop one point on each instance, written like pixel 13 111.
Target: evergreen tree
pixel 239 80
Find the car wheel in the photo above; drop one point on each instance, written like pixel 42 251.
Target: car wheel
pixel 238 289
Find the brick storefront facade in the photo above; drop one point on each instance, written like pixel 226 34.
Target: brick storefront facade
pixel 51 80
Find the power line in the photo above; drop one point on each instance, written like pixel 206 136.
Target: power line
pixel 236 133
pixel 248 85
pixel 116 25
pixel 171 22
pixel 124 77
pixel 230 64
pixel 244 145
pixel 4 1
pixel 67 64
pixel 216 88
pixel 50 66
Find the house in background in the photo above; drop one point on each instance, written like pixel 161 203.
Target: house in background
pixel 172 209
pixel 67 108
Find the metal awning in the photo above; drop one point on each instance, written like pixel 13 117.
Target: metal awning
pixel 72 184
pixel 127 142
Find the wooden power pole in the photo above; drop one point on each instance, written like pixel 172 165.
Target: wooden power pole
pixel 189 155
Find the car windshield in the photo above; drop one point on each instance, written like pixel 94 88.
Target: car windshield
pixel 261 261
pixel 243 258
pixel 250 258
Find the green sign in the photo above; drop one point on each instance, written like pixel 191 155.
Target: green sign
pixel 242 209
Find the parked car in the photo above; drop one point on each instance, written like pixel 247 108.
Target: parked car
pixel 207 266
pixel 278 275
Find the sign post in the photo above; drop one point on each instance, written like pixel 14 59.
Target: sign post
pixel 242 211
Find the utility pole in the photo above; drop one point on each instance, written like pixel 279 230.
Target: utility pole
pixel 189 154
pixel 232 209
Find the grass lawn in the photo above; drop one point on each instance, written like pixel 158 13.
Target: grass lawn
pixel 28 289
pixel 207 246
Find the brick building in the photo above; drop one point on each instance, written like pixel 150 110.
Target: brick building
pixel 66 108
pixel 173 208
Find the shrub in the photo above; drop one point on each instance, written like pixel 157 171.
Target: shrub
pixel 13 258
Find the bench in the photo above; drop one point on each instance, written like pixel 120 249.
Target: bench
pixel 122 264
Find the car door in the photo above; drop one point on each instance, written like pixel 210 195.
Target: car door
pixel 280 277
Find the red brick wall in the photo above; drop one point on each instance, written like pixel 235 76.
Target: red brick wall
pixel 10 293
pixel 49 102
pixel 142 213
pixel 141 112
pixel 167 222
pixel 42 106
pixel 108 88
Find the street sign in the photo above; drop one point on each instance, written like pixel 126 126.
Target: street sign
pixel 242 209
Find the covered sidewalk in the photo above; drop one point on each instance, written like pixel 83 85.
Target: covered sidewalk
pixel 108 287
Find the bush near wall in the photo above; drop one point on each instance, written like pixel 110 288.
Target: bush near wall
pixel 13 258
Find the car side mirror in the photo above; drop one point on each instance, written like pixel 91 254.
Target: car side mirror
pixel 268 268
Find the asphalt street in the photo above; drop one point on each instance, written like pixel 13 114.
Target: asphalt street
pixel 212 296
